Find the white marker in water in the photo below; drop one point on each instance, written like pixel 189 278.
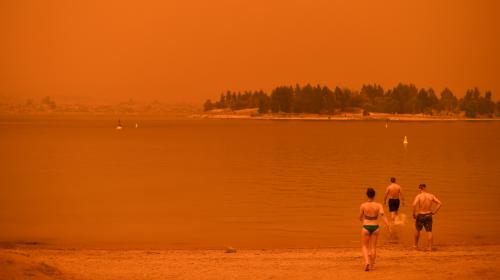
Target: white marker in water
pixel 405 141
pixel 136 125
pixel 119 126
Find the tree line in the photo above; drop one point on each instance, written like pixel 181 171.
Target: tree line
pixel 402 99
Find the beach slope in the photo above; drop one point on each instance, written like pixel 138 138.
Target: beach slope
pixel 446 262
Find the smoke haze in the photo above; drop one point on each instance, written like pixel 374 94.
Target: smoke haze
pixel 187 51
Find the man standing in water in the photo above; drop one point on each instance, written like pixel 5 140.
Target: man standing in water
pixel 393 192
pixel 423 218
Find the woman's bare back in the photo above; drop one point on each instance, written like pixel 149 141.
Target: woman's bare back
pixel 372 210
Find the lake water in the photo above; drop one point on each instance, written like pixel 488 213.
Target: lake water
pixel 186 183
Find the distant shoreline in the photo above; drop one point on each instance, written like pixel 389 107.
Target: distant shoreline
pixel 252 114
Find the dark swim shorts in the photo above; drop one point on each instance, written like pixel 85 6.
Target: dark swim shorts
pixel 393 204
pixel 424 220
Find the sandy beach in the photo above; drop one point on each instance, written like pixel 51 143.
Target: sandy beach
pixel 446 262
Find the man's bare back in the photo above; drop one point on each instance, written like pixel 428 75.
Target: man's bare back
pixel 424 201
pixel 393 191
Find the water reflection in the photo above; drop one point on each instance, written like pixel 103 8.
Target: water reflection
pixel 206 183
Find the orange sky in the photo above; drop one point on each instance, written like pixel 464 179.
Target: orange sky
pixel 87 50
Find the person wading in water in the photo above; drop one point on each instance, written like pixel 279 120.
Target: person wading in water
pixel 395 195
pixel 423 217
pixel 368 214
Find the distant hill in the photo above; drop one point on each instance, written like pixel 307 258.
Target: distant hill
pixel 48 105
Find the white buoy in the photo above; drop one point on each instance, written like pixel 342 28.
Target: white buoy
pixel 136 125
pixel 119 126
pixel 386 125
pixel 405 141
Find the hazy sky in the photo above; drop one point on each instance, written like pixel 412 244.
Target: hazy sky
pixel 85 50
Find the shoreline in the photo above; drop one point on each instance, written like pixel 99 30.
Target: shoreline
pixel 445 262
pixel 379 117
pixel 251 114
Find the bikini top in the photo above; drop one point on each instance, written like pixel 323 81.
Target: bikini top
pixel 371 218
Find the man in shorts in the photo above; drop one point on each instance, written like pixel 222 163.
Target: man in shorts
pixel 395 196
pixel 423 217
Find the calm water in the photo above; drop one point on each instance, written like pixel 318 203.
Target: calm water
pixel 214 183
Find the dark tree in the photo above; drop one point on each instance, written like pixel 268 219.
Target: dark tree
pixel 469 104
pixel 422 101
pixel 222 101
pixel 49 102
pixel 486 105
pixel 432 101
pixel 373 98
pixel 208 105
pixel 448 101
pixel 281 100
pixel 403 98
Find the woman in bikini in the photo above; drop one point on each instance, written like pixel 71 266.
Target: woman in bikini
pixel 368 214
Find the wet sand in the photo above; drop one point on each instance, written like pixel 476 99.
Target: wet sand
pixel 394 262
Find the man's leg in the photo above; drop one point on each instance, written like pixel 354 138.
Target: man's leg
pixel 428 228
pixel 393 216
pixel 417 236
pixel 429 240
pixel 396 210
pixel 418 228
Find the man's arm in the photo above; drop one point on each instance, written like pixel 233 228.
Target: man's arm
pixel 415 202
pixel 386 195
pixel 439 204
pixel 401 196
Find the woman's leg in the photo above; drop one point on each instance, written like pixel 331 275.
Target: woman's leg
pixel 365 243
pixel 373 246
